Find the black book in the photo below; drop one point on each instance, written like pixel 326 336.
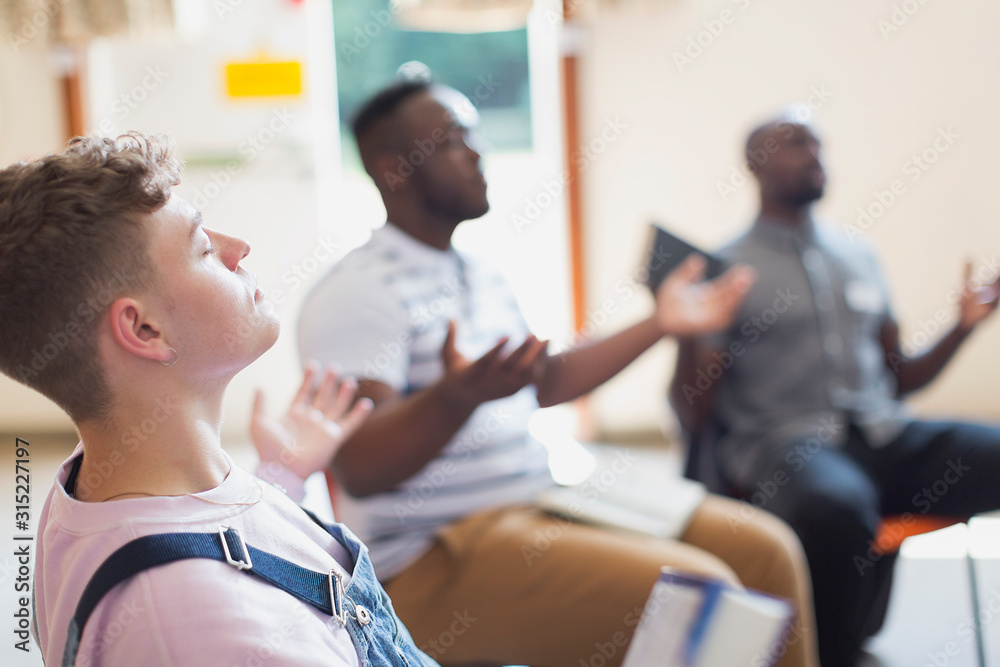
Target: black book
pixel 667 252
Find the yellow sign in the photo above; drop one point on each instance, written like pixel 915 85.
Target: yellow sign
pixel 264 79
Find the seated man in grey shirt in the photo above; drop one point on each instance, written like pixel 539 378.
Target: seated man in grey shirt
pixel 802 397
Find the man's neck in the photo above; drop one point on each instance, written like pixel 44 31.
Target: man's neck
pixel 429 230
pixel 794 215
pixel 162 446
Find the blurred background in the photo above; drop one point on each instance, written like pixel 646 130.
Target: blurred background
pixel 603 115
pixel 647 100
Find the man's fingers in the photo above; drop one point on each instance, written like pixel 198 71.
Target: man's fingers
pixel 690 271
pixel 490 357
pixel 513 359
pixel 326 391
pixel 345 395
pixel 259 407
pixel 529 368
pixel 729 289
pixel 358 414
pixel 738 279
pixel 743 277
pixel 306 388
pixel 987 295
pixel 532 350
pixel 448 351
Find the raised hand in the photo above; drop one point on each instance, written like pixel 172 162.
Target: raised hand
pixel 685 306
pixel 317 423
pixel 977 302
pixel 495 374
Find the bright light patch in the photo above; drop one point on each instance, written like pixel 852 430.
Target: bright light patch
pixel 569 461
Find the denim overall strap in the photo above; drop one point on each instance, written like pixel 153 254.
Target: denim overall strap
pixel 316 588
pixel 379 636
pixel 362 606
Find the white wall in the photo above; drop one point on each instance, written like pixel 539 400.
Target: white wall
pixel 285 150
pixel 31 125
pixel 887 97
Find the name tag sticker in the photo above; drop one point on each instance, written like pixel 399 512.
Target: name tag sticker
pixel 864 297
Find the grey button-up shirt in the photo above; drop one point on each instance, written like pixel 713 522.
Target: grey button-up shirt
pixel 804 357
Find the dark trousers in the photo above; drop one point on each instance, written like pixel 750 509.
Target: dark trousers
pixel 835 497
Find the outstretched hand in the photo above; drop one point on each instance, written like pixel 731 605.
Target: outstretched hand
pixel 317 423
pixel 977 302
pixel 495 374
pixel 685 306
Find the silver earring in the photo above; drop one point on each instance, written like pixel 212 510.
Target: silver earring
pixel 172 361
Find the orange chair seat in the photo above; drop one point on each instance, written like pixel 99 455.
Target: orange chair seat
pixel 895 529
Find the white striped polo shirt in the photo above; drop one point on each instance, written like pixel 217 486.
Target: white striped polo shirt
pixel 382 314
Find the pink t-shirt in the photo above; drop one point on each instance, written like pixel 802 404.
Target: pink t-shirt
pixel 191 612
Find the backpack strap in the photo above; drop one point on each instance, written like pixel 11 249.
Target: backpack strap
pixel 325 591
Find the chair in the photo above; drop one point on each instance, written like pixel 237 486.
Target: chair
pixel 701 464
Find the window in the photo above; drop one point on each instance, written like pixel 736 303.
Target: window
pixel 512 77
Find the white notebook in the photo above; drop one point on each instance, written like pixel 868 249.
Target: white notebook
pixel 660 507
pixel 693 622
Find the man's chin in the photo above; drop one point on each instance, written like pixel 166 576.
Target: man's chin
pixel 809 196
pixel 268 332
pixel 268 337
pixel 481 207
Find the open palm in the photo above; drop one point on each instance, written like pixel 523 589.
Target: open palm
pixel 977 302
pixel 685 306
pixel 308 436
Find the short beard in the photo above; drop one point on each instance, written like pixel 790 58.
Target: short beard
pixel 806 196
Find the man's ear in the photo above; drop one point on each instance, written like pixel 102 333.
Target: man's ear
pixel 135 333
pixel 391 173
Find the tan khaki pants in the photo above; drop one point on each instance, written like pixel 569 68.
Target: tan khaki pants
pixel 518 586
